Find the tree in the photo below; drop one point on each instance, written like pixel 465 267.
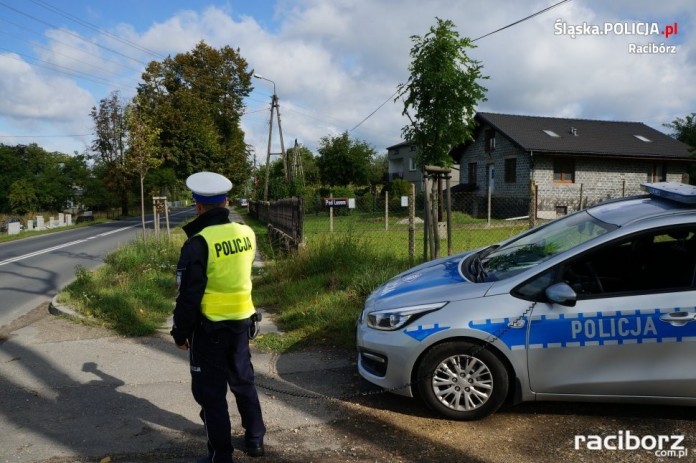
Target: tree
pixel 15 166
pixel 684 130
pixel 379 170
pixel 343 161
pixel 143 153
pixel 197 99
pixel 51 178
pixel 303 167
pixel 109 146
pixel 22 197
pixel 442 92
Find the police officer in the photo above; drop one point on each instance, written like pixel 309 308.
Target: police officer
pixel 214 314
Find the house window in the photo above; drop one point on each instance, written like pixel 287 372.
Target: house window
pixel 411 164
pixel 511 170
pixel 563 170
pixel 561 211
pixel 472 173
pixel 489 140
pixel 551 133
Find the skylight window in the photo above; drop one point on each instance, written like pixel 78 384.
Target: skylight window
pixel 551 133
pixel 642 138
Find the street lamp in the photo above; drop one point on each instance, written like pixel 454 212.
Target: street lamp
pixel 259 76
pixel 274 107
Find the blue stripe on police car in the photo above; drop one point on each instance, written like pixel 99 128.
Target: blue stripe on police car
pixel 596 329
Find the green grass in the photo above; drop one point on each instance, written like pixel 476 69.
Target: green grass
pixel 134 291
pixel 318 292
pixel 315 294
pixel 467 232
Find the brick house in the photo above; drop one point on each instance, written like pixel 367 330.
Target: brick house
pixel 402 164
pixel 570 163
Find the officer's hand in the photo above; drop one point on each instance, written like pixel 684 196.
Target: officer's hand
pixel 184 346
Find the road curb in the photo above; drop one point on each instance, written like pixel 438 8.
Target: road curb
pixel 57 308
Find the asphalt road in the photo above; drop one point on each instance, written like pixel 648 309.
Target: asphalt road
pixel 33 270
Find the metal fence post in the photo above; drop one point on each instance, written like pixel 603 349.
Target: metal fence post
pixel 449 215
pixel 435 246
pixel 386 210
pixel 412 224
pixel 426 217
pixel 331 214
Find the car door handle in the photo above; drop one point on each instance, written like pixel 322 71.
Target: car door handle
pixel 678 318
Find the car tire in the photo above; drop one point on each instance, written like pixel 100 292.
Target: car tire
pixel 462 381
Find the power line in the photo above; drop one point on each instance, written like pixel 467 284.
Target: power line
pixel 71 33
pixel 54 52
pixel 95 28
pixel 474 40
pixel 65 44
pixel 64 70
pixel 48 136
pixel 523 19
pixel 378 108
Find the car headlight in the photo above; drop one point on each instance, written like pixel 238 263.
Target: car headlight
pixel 393 319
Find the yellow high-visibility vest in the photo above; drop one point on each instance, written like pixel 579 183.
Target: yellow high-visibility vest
pixel 231 251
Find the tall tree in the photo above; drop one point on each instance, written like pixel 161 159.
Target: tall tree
pixel 197 99
pixel 143 153
pixel 109 146
pixel 343 161
pixel 442 92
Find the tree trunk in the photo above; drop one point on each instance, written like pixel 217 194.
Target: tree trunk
pixel 142 203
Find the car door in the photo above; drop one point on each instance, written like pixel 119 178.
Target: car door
pixel 633 327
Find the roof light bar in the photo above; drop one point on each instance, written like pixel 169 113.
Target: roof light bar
pixel 685 194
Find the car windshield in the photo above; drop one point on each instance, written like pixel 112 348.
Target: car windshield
pixel 499 262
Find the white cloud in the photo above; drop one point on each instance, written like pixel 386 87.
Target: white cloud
pixel 335 62
pixel 24 93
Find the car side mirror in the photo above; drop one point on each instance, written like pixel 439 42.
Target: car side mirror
pixel 561 293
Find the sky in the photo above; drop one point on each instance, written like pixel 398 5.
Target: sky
pixel 335 64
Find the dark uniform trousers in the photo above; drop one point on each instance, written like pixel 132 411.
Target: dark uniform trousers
pixel 219 358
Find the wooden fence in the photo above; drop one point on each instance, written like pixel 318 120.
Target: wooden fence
pixel 284 219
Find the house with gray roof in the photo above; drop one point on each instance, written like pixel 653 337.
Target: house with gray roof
pixel 565 164
pixel 402 164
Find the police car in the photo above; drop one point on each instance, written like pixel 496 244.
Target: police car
pixel 598 305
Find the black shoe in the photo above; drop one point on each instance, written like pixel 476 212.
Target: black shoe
pixel 255 450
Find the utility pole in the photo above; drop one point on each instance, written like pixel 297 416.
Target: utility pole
pixel 297 170
pixel 275 107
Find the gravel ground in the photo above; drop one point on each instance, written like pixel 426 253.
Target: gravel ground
pixel 393 429
pixel 390 428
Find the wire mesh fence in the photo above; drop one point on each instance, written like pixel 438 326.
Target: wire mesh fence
pixel 386 223
pixel 398 224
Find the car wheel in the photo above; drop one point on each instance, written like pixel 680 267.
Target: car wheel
pixel 462 381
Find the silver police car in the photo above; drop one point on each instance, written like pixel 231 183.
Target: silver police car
pixel 598 305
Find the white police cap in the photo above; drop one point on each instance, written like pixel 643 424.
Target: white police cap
pixel 209 187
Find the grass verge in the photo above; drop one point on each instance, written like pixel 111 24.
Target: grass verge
pixel 134 291
pixel 319 291
pixel 315 294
